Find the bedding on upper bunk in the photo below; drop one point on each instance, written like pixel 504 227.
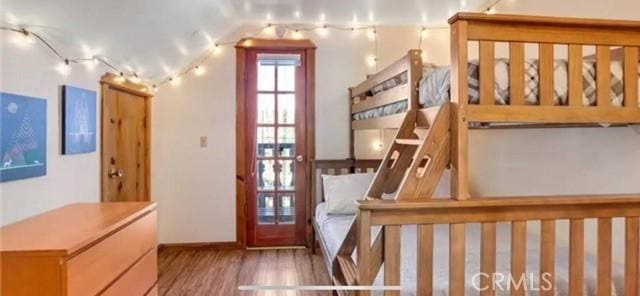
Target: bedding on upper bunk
pixel 434 87
pixel 333 229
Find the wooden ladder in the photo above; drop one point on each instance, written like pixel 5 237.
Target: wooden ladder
pixel 410 169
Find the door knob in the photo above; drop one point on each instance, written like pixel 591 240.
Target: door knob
pixel 299 158
pixel 115 173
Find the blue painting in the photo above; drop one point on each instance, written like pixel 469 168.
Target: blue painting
pixel 23 134
pixel 78 120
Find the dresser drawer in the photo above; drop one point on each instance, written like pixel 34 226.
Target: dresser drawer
pixel 91 271
pixel 139 279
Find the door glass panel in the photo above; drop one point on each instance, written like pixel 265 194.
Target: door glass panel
pixel 286 141
pixel 265 137
pixel 266 108
pixel 287 174
pixel 266 174
pixel 286 77
pixel 266 77
pixel 286 208
pixel 286 108
pixel 266 208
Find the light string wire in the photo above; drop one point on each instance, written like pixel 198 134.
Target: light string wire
pixel 202 58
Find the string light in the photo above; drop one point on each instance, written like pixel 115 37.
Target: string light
pixel 372 34
pixel 323 31
pixel 199 70
pixel 23 38
pixel 135 78
pixel 64 68
pixel 120 78
pixel 175 81
pixel 490 10
pixel 424 33
pixel 296 34
pixel 372 60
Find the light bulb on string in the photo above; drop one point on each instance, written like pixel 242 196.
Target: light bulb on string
pixel 323 30
pixel 64 67
pixel 490 10
pixel 154 88
pixel 135 78
pixel 120 78
pixel 175 81
pixel 372 34
pixel 199 70
pixel 23 37
pixel 424 32
pixel 296 34
pixel 269 30
pixel 372 60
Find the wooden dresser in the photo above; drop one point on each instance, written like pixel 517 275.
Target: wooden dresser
pixel 82 249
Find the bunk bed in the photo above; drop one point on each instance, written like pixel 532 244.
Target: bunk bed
pixel 432 135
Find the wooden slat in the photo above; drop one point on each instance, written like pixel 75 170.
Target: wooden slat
pixel 575 75
pixel 425 260
pixel 516 73
pixel 555 34
pixel 547 257
pixel 631 77
pixel 487 258
pixel 487 73
pixel 398 93
pixel 363 221
pixel 389 121
pixel 552 114
pixel 604 256
pixel 456 259
pixel 413 142
pixel 518 256
pixel 545 70
pixel 603 76
pixel 459 99
pixel 392 258
pixel 392 70
pixel 576 257
pixel 632 245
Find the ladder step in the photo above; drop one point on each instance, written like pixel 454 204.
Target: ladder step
pixel 349 270
pixel 415 142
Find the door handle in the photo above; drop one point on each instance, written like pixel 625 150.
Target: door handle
pixel 115 173
pixel 299 158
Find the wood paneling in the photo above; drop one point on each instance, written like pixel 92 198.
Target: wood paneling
pixel 552 114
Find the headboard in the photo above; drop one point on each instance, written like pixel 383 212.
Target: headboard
pixel 335 167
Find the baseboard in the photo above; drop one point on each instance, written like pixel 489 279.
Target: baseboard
pixel 217 246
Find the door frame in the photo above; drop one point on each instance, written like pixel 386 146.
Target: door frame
pixel 111 80
pixel 242 47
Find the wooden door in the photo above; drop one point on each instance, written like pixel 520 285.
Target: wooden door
pixel 276 150
pixel 125 145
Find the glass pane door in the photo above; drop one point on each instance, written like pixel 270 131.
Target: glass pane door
pixel 279 154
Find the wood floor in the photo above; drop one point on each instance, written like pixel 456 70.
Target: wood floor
pixel 208 272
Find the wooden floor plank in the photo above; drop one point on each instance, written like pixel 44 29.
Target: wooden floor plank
pixel 210 272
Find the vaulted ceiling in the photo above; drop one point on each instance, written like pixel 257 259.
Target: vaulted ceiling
pixel 154 37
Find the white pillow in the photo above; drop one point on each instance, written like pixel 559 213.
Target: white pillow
pixel 342 191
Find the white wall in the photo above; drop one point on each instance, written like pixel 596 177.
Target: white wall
pixel 30 71
pixel 195 187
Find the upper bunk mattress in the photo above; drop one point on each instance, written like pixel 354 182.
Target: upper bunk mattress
pixel 434 88
pixel 333 229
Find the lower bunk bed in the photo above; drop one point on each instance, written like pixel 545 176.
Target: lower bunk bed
pixel 332 228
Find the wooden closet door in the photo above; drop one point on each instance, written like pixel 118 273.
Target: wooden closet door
pixel 124 146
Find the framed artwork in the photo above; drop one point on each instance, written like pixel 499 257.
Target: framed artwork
pixel 23 130
pixel 78 120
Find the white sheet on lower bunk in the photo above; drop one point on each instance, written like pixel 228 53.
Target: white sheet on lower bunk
pixel 334 228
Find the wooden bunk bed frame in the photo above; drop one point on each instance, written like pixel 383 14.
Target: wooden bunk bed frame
pixel 428 140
